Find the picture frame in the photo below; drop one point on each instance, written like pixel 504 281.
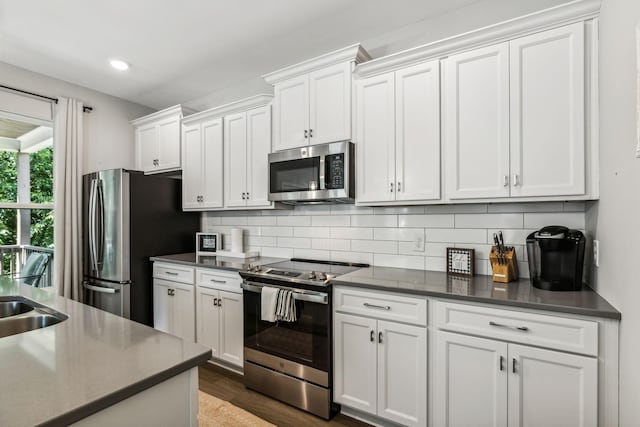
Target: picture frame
pixel 207 244
pixel 461 261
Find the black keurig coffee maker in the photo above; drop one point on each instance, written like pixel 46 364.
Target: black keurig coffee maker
pixel 556 258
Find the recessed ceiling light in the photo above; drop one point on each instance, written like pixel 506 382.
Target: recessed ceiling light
pixel 119 65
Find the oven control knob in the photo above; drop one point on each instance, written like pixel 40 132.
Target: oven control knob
pixel 257 268
pixel 312 275
pixel 321 276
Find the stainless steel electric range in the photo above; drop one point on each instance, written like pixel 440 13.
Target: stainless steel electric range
pixel 292 361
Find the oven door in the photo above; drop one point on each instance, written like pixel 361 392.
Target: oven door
pixel 306 341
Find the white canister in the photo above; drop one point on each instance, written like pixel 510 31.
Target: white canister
pixel 237 245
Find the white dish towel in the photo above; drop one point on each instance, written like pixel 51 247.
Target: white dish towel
pixel 269 300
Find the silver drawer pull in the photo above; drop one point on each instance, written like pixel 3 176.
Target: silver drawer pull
pixel 218 281
pixel 383 307
pixel 500 325
pixel 171 273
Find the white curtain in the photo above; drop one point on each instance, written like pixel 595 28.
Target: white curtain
pixel 67 174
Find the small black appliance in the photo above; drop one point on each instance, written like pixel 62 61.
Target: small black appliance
pixel 556 258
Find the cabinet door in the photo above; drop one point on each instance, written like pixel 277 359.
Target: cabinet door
pixel 231 331
pixel 258 149
pixel 235 156
pixel 146 147
pixel 375 139
pixel 402 373
pixel 162 306
pixel 207 319
pixel 291 113
pixel 355 357
pixel 549 388
pixel 169 144
pixel 470 387
pixel 212 175
pixel 547 113
pixel 192 187
pixel 184 319
pixel 418 132
pixel 476 123
pixel 330 104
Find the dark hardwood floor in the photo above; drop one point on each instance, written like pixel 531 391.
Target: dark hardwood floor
pixel 228 386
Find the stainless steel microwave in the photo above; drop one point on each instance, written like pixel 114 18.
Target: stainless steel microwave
pixel 315 174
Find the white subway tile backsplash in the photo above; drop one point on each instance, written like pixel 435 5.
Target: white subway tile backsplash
pixel 331 244
pixel 568 219
pixel 294 220
pixel 351 233
pixel 375 246
pixel 331 221
pixel 427 221
pixel 399 261
pixel 277 231
pixel 294 242
pixel 489 220
pixel 374 221
pixel 396 236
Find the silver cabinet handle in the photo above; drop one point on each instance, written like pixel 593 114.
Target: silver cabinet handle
pixel 100 289
pixel 218 281
pixel 310 133
pixel 398 187
pixel 516 180
pixel 379 337
pixel 505 180
pixel 171 273
pixel 371 336
pixel 500 325
pixel 391 187
pixel 305 134
pixel 383 307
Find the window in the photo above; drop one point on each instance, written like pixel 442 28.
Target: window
pixel 26 194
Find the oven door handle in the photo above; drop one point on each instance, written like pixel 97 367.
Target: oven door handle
pixel 298 294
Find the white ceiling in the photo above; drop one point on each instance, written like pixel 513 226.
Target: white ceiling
pixel 182 50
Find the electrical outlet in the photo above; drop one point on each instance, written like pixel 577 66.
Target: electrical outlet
pixel 418 244
pixel 596 253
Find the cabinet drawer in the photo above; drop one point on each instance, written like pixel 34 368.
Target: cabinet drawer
pixel 381 305
pixel 173 272
pixel 560 333
pixel 216 279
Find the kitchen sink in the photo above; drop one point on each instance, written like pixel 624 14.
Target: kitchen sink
pixel 13 308
pixel 19 314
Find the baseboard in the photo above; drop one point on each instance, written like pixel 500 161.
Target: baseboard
pixel 228 366
pixel 367 418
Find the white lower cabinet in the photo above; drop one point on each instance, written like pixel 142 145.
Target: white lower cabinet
pixel 488 382
pixel 219 315
pixel 381 366
pixel 173 308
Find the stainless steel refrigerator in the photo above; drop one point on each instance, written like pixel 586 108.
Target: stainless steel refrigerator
pixel 129 217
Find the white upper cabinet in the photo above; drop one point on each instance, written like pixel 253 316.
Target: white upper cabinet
pixel 548 113
pixel 157 140
pixel 514 118
pixel 202 164
pixel 312 100
pixel 247 143
pixel 476 123
pixel 398 135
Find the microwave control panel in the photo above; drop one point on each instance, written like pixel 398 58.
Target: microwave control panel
pixel 334 171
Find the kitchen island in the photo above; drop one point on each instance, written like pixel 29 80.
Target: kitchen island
pixel 95 368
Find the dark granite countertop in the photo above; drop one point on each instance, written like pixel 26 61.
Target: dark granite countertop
pixel 65 372
pixel 217 262
pixel 480 289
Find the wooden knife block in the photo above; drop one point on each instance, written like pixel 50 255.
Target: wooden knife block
pixel 508 270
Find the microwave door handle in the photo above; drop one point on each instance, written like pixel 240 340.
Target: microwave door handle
pixel 323 173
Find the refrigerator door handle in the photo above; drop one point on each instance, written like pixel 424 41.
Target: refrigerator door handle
pixel 100 289
pixel 100 237
pixel 92 225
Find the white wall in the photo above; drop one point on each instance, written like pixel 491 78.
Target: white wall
pixel 387 236
pixel 108 134
pixel 615 217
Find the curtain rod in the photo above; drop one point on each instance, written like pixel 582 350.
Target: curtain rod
pixel 85 108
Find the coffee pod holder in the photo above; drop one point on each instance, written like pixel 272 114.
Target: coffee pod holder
pixel 504 264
